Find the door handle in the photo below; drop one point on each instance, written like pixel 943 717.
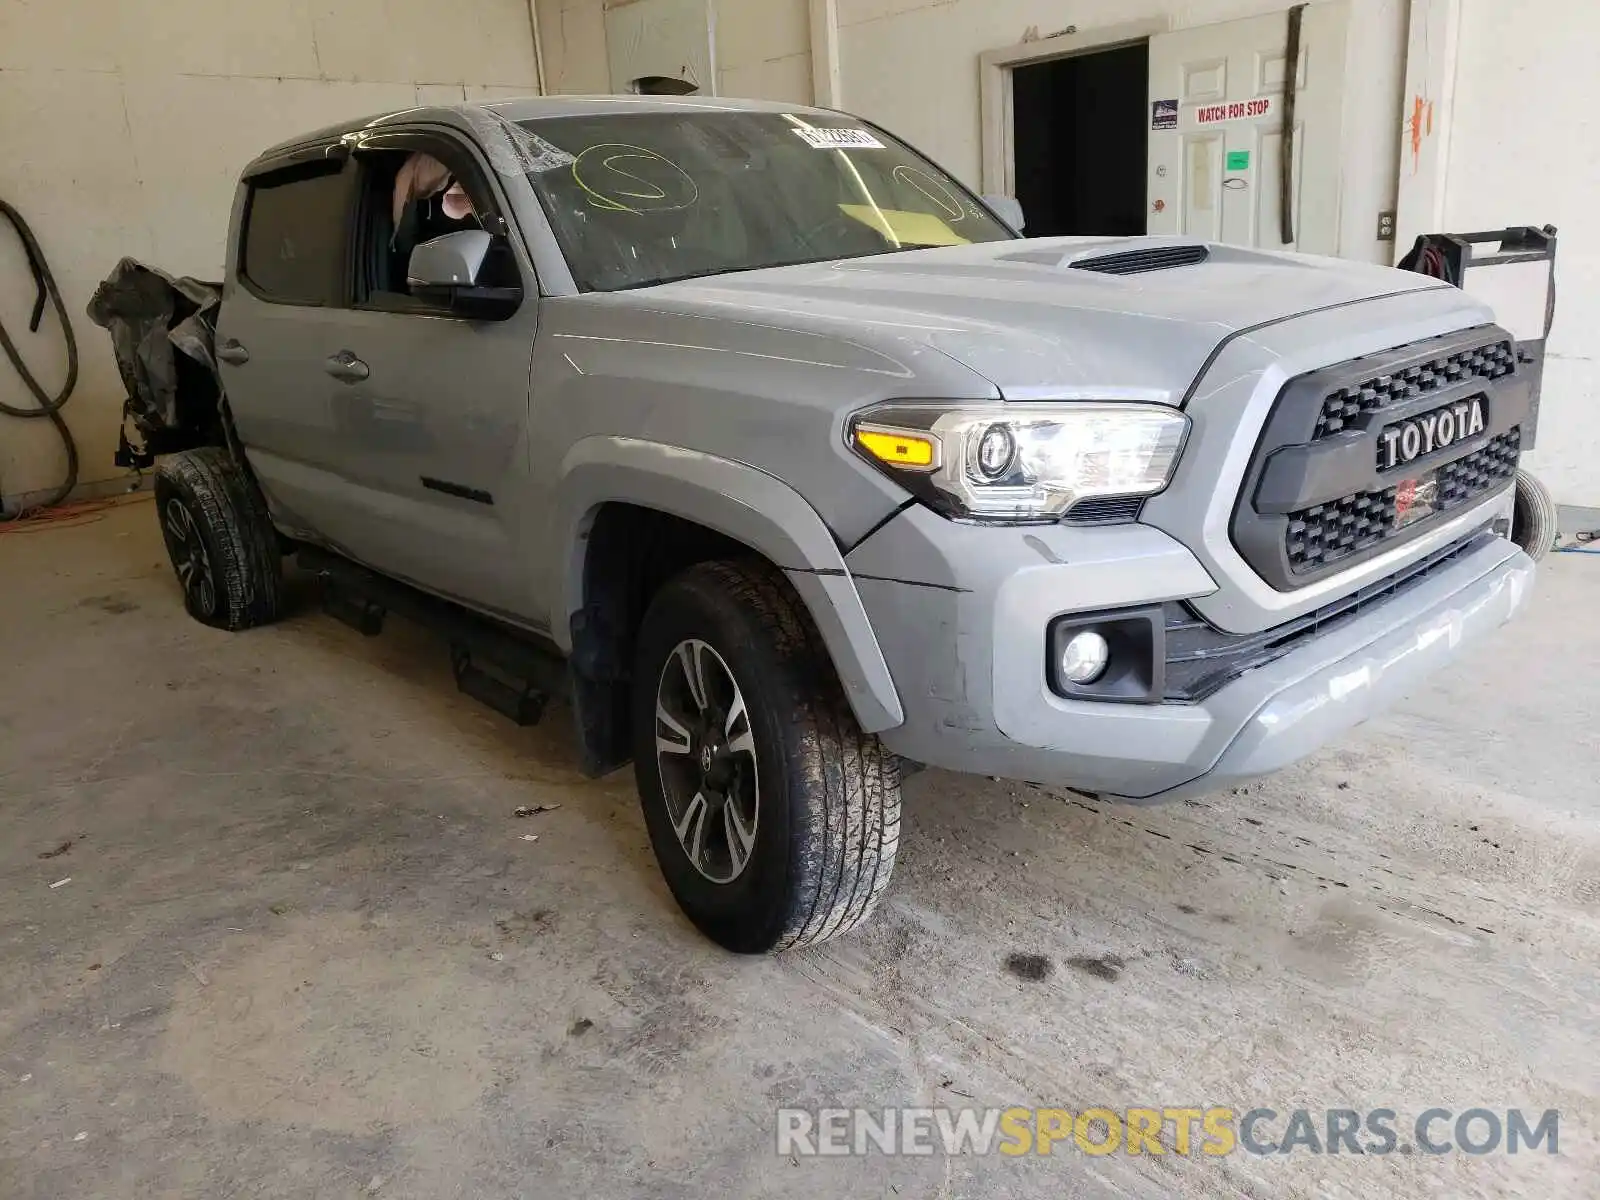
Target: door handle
pixel 231 351
pixel 347 367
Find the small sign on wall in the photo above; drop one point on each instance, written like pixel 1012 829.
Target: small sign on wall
pixel 1163 114
pixel 1238 160
pixel 1236 110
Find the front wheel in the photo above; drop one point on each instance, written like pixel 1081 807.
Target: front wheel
pixel 774 817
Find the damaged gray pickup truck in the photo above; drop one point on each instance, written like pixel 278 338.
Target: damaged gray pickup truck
pixel 782 457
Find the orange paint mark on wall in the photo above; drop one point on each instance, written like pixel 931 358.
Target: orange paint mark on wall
pixel 1418 110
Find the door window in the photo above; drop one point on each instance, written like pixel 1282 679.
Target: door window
pixel 411 195
pixel 294 235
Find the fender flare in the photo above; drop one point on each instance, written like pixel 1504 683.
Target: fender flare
pixel 743 503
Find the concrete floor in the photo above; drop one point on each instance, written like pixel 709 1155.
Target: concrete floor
pixel 305 952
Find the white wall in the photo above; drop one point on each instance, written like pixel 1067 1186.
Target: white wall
pixel 763 47
pixel 1525 150
pixel 574 33
pixel 124 123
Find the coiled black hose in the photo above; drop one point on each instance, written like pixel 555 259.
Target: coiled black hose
pixel 49 406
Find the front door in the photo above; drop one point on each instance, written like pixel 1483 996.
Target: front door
pixel 1217 105
pixel 429 413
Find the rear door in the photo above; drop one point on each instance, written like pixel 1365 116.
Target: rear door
pixel 1217 98
pixel 273 336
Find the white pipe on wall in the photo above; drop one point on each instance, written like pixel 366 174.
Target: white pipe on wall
pixel 538 47
pixel 825 87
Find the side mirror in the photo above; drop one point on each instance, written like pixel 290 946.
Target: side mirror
pixel 1009 210
pixel 446 269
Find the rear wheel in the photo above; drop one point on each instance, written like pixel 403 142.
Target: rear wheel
pixel 223 548
pixel 774 817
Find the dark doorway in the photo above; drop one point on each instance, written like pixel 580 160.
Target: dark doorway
pixel 1080 129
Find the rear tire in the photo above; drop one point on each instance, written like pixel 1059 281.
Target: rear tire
pixel 1534 521
pixel 220 539
pixel 769 757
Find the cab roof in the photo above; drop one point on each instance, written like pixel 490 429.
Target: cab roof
pixel 530 108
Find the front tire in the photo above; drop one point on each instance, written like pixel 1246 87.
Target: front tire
pixel 774 818
pixel 220 539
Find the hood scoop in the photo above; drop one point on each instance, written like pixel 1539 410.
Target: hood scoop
pixel 1143 256
pixel 1138 262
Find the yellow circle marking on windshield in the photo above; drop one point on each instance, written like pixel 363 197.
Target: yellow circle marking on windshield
pixel 932 189
pixel 618 189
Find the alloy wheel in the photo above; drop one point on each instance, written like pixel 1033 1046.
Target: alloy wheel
pixel 706 753
pixel 189 557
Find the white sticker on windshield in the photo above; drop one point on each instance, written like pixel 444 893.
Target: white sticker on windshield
pixel 838 139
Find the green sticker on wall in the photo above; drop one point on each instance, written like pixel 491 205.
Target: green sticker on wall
pixel 1238 160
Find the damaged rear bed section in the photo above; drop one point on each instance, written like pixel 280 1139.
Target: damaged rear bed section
pixel 163 333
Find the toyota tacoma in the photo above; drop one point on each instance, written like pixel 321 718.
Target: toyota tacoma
pixel 787 461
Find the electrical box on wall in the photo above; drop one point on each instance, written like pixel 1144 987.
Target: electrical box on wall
pixel 662 46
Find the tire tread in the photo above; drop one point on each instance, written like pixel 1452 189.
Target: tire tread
pixel 228 505
pixel 859 792
pixel 1536 522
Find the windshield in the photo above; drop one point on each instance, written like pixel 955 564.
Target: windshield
pixel 643 198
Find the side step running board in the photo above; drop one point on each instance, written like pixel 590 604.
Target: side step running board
pixel 361 615
pixel 510 697
pixel 510 671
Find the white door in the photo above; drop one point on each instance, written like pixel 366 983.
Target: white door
pixel 1216 130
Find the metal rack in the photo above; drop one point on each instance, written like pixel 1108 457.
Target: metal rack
pixel 1457 258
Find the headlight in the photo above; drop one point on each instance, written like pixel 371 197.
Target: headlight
pixel 1021 463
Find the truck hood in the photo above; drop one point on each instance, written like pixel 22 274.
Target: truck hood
pixel 1049 317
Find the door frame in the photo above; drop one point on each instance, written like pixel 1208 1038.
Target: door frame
pixel 995 68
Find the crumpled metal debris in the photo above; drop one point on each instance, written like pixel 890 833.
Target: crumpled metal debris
pixel 163 332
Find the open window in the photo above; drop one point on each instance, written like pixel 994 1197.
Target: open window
pixel 413 189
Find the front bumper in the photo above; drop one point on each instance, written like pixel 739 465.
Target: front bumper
pixel 961 613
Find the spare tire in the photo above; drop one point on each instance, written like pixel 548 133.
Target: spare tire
pixel 1534 523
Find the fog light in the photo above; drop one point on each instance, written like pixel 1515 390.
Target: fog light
pixel 1084 658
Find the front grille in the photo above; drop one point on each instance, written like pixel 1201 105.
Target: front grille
pixel 1325 533
pixel 1491 362
pixel 1475 474
pixel 1200 658
pixel 1138 262
pixel 1327 487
